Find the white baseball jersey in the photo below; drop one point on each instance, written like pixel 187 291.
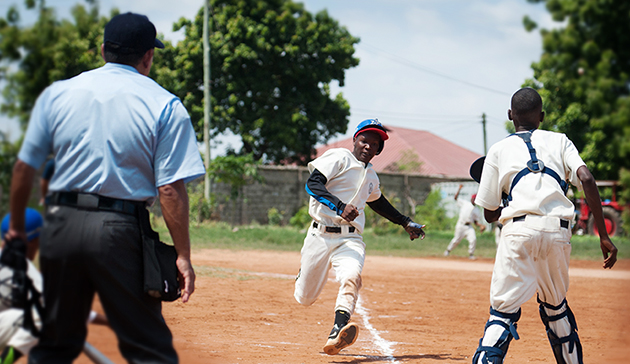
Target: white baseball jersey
pixel 536 193
pixel 350 180
pixel 468 213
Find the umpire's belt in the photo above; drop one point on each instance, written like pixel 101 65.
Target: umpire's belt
pixel 93 202
pixel 563 223
pixel 331 229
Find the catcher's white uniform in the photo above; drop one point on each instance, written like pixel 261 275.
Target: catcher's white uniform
pixel 356 184
pixel 533 255
pixel 11 331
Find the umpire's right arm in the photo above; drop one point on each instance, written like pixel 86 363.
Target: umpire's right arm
pixel 174 203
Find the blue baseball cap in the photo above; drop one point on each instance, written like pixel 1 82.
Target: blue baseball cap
pixel 372 125
pixel 33 222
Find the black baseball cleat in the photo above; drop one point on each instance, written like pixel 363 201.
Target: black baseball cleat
pixel 341 338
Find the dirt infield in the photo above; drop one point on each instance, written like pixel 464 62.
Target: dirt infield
pixel 410 311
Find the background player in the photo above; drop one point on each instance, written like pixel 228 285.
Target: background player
pixel 44 181
pixel 468 215
pixel 340 185
pixel 533 255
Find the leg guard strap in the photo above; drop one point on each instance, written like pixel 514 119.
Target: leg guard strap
pixel 513 317
pixel 493 355
pixel 566 313
pixel 555 341
pixel 571 339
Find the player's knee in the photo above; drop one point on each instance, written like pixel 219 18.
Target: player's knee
pixel 351 282
pixel 303 300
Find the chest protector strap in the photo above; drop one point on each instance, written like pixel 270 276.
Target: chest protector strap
pixel 533 166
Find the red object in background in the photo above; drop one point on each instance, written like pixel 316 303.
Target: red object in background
pixel 611 209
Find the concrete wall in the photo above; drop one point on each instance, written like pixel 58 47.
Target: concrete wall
pixel 283 188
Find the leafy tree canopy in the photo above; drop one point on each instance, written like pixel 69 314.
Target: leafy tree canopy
pixel 8 157
pixel 583 76
pixel 235 171
pixel 272 63
pixel 271 66
pixel 31 58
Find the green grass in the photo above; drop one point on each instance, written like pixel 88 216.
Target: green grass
pixel 263 237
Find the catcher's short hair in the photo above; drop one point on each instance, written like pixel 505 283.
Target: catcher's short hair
pixel 526 100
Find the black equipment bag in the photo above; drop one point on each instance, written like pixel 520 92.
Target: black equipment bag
pixel 160 268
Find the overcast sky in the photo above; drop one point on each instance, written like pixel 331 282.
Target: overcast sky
pixel 433 65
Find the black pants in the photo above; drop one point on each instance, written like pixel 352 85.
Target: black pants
pixel 85 252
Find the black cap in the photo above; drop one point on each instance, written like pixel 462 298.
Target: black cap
pixel 130 33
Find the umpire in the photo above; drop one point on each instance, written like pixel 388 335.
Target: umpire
pixel 120 141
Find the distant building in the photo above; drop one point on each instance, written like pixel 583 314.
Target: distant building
pixel 417 152
pixel 413 163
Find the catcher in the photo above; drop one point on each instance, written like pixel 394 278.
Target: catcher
pixel 15 340
pixel 340 185
pixel 530 171
pixel 468 216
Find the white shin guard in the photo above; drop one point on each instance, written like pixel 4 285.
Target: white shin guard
pixel 498 333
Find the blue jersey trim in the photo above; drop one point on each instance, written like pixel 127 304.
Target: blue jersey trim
pixel 321 199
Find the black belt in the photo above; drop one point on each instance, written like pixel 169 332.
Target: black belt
pixel 563 223
pixel 94 202
pixel 333 229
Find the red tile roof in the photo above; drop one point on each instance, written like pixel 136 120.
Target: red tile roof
pixel 411 149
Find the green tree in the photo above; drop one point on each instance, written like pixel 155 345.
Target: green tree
pixel 31 58
pixel 272 63
pixel 583 77
pixel 8 157
pixel 625 197
pixel 433 214
pixel 235 171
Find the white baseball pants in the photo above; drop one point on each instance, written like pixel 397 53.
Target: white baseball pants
pixel 464 231
pixel 345 253
pixel 533 256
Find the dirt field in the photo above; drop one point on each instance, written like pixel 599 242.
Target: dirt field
pixel 410 311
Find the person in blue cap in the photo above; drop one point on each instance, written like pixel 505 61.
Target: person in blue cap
pixel 44 181
pixel 341 183
pixel 33 224
pixel 15 341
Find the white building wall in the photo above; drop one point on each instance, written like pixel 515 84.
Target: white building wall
pixel 448 190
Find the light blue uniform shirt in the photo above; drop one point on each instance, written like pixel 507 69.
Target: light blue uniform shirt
pixel 113 132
